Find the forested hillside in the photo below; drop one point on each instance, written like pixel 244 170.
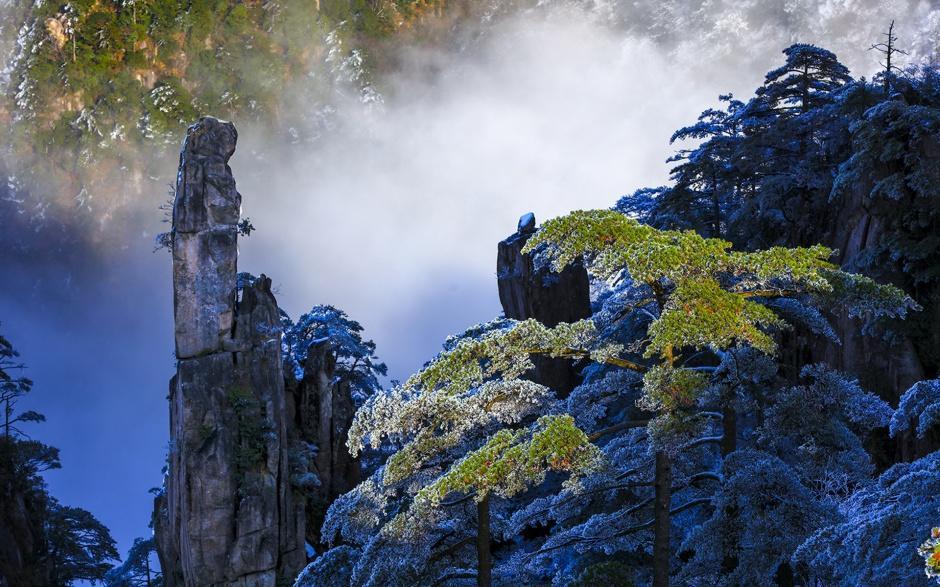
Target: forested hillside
pixel 98 93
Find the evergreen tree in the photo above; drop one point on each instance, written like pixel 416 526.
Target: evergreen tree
pixel 13 386
pixel 697 296
pixel 50 544
pixel 448 413
pixel 80 548
pixel 806 81
pixel 356 361
pixel 704 296
pixel 707 181
pixel 136 570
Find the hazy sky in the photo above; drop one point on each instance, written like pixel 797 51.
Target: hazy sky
pixel 396 218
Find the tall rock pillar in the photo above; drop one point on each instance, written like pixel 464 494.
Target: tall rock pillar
pixel 527 292
pixel 228 517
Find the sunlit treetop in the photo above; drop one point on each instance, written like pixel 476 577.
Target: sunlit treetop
pixel 707 291
pixel 506 352
pixel 474 384
pixel 510 462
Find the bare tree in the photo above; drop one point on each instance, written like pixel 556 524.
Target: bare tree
pixel 889 49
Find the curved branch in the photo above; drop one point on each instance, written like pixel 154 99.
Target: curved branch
pixel 582 353
pixel 617 428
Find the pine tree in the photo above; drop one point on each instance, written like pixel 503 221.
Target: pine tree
pixel 13 387
pixel 706 182
pixel 704 296
pixel 136 570
pixel 806 81
pixel 449 410
pixel 356 361
pixel 80 547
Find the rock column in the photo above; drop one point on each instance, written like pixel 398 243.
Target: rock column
pixel 228 517
pixel 527 292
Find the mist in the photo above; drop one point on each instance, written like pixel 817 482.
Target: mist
pixel 395 216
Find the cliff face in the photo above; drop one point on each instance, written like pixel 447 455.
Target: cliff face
pixel 322 410
pixel 230 517
pixel 526 292
pixel 860 225
pixel 21 536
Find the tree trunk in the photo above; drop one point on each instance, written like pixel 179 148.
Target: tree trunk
pixel 661 504
pixel 729 430
pixel 484 560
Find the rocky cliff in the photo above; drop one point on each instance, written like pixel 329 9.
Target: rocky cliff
pixel 257 456
pixel 321 411
pixel 529 292
pixel 20 537
pixel 230 516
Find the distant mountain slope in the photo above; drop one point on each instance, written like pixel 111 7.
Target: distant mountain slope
pixel 97 92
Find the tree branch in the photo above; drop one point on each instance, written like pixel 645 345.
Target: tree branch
pixel 617 427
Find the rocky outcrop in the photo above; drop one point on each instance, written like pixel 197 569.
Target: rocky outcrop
pixel 526 292
pixel 21 537
pixel 230 517
pixel 322 410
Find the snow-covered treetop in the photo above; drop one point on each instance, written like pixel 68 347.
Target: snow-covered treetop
pixel 805 80
pixel 356 361
pixel 707 290
pixel 920 404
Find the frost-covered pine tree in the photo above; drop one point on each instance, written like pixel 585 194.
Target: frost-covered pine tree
pixel 466 424
pixel 356 361
pixel 805 81
pixel 468 428
pixel 706 180
pixel 703 297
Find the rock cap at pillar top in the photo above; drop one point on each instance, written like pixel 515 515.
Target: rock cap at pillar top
pixel 526 223
pixel 211 137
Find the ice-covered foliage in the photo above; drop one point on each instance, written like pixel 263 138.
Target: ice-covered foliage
pixel 875 542
pixel 466 389
pixel 891 143
pixel 710 294
pixel 818 430
pixel 508 463
pixel 762 513
pixel 511 461
pixel 806 81
pixel 930 550
pixel 332 568
pixel 641 203
pixel 920 404
pixel 468 425
pixel 804 316
pixel 706 180
pixel 356 361
pixel 595 399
